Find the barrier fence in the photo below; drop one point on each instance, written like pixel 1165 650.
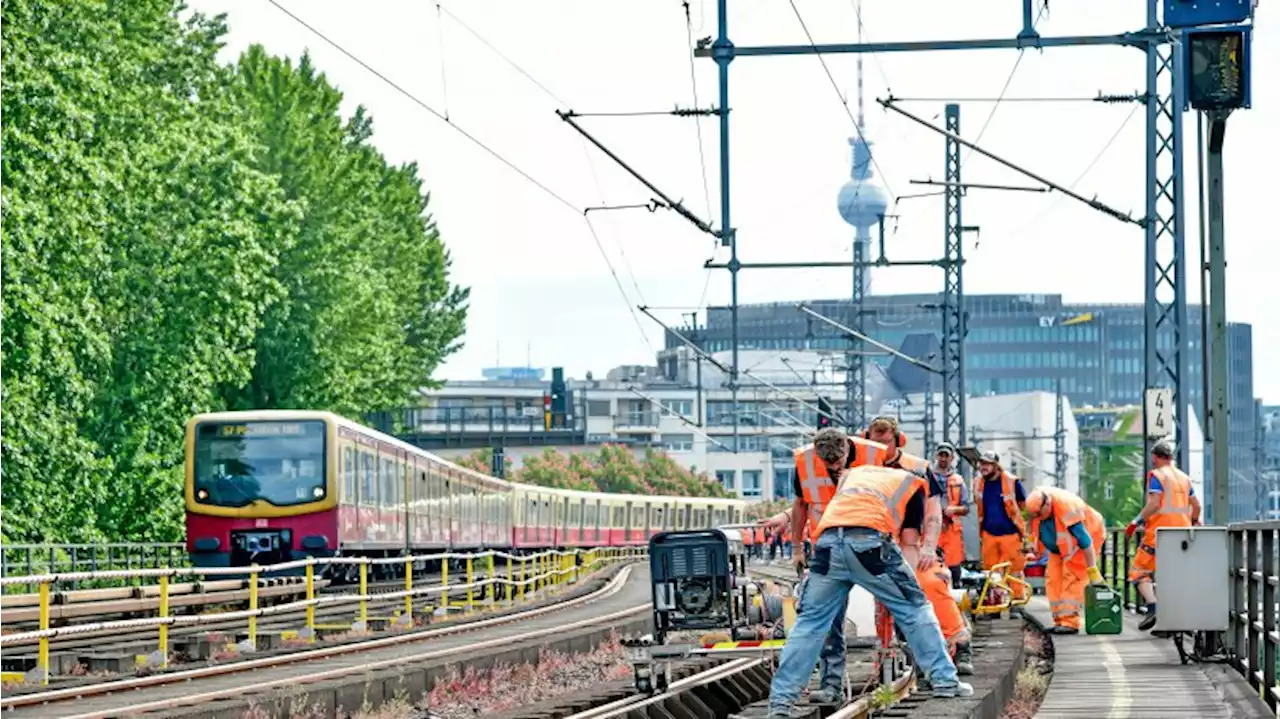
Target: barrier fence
pixel 1252 638
pixel 25 560
pixel 523 575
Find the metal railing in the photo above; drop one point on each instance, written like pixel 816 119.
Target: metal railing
pixel 525 574
pixel 24 560
pixel 1252 635
pixel 1252 638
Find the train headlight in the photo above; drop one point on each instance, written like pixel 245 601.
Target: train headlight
pixel 202 494
pixel 318 492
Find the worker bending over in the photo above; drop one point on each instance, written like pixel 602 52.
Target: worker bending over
pixel 818 467
pixel 957 505
pixel 1000 498
pixel 1171 502
pixel 873 509
pixel 934 580
pixel 1070 531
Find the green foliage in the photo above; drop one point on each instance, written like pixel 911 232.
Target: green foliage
pixel 178 238
pixel 367 292
pixel 612 468
pixel 1120 467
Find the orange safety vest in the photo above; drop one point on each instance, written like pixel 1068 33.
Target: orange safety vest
pixel 1068 509
pixel 1175 502
pixel 873 497
pixel 1008 491
pixel 759 535
pixel 911 463
pixel 818 488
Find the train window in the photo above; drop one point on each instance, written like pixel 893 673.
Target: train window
pixel 655 518
pixel 699 519
pixel 619 517
pixel 575 514
pixel 637 517
pixel 348 474
pixel 369 479
pixel 717 517
pixel 679 518
pixel 590 514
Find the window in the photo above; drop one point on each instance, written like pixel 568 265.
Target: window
pixel 782 488
pixel 677 442
pixel 726 478
pixel 751 485
pixel 682 407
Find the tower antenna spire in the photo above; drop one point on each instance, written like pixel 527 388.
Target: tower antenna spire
pixel 857 9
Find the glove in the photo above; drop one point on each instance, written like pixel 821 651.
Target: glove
pixel 1129 530
pixel 1095 577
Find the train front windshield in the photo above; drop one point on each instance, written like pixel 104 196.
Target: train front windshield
pixel 238 463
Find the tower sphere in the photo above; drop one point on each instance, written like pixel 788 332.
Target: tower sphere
pixel 861 202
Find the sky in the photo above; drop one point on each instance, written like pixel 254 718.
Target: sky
pixel 552 286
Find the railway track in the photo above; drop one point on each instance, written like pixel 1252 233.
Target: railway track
pixel 113 651
pixel 172 690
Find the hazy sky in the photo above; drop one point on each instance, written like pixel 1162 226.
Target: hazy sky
pixel 542 289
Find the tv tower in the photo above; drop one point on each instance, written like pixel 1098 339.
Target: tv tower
pixel 861 201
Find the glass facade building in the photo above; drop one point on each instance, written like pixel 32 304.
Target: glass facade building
pixel 1016 343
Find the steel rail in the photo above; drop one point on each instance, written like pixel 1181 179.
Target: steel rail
pixel 61 695
pixel 624 706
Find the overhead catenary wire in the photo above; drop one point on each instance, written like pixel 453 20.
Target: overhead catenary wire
pixel 486 148
pixel 844 102
pixel 697 124
pixel 1044 6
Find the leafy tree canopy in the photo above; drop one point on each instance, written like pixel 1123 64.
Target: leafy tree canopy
pixel 178 237
pixel 612 468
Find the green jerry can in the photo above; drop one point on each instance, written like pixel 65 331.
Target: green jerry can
pixel 1102 611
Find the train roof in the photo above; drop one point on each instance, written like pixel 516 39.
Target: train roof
pixel 284 415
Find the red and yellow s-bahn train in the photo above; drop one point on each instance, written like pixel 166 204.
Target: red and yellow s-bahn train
pixel 273 486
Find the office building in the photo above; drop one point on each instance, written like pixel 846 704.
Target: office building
pixel 1015 343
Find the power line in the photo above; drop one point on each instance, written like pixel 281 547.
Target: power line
pixel 697 123
pixel 514 65
pixel 1008 81
pixel 1085 172
pixel 843 102
pixel 476 141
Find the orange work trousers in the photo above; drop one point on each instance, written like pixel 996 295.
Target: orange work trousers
pixel 936 584
pixel 997 550
pixel 1142 568
pixel 1064 584
pixel 952 544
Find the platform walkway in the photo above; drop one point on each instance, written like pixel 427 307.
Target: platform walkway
pixel 1133 675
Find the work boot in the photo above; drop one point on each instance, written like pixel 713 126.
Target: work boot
pixel 964 659
pixel 1148 622
pixel 953 692
pixel 826 695
pixel 1062 629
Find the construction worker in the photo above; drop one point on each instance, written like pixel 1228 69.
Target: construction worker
pixel 874 508
pixel 884 430
pixel 924 557
pixel 1070 531
pixel 748 542
pixel 935 582
pixel 1000 499
pixel 952 539
pixel 1171 502
pixel 818 467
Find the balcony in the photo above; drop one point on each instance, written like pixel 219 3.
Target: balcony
pixel 637 422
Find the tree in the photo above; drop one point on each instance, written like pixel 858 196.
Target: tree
pixel 137 246
pixel 612 468
pixel 368 312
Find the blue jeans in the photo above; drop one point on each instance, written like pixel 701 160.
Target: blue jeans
pixel 831 660
pixel 845 557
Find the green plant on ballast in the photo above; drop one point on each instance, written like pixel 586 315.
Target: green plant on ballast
pixel 883 696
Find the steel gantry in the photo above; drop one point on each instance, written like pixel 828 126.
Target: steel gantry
pixel 1166 319
pixel 953 312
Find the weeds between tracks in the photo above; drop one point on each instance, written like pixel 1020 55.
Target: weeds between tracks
pixel 1033 678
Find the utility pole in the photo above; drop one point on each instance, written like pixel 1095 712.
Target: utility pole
pixel 697 359
pixel 953 312
pixel 1219 84
pixel 928 419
